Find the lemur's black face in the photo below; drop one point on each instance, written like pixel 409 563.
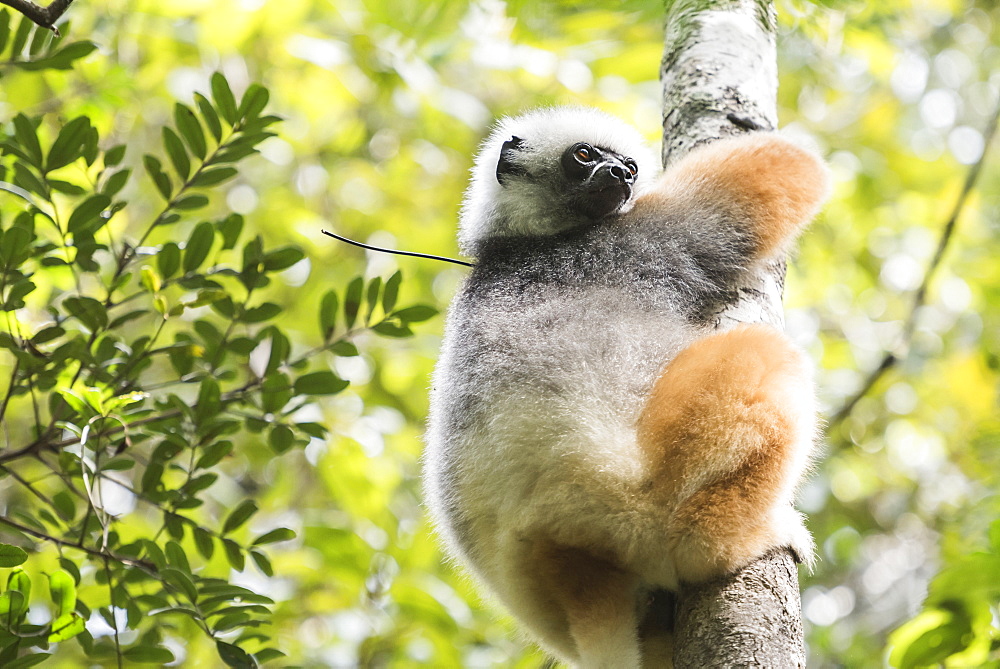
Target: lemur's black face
pixel 601 180
pixel 596 182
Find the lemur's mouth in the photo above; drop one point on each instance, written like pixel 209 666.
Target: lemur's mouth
pixel 607 201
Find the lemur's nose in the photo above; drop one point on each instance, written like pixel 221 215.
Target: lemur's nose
pixel 623 175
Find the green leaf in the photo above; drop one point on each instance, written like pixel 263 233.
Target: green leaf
pixel 213 454
pixel 64 505
pixel 116 182
pixel 12 605
pixel 20 39
pixel 148 655
pixel 4 28
pixel 180 581
pixel 155 170
pixel 280 348
pixel 189 202
pixel 16 240
pixel 234 555
pixel 178 156
pixel 234 656
pixel 20 582
pixel 114 155
pixel 253 102
pixel 268 654
pixel 46 335
pixel 65 187
pixel 281 438
pixel 239 515
pixel 319 383
pixel 38 40
pixel 66 627
pixel 261 313
pixel 415 314
pixel 88 311
pixel 11 556
pixel 391 292
pixel 27 180
pixel 24 133
pixel 69 143
pixel 168 260
pixel 352 301
pixel 119 465
pixel 151 477
pixel 263 563
pixel 374 289
pixel 87 212
pixel 199 483
pixel 62 59
pixel 205 542
pixel 209 115
pixel 154 553
pixel 16 294
pixel 209 400
pixel 328 307
pixel 198 246
pixel 149 279
pixel 344 349
pixel 274 536
pixel 937 644
pixel 282 258
pixel 28 661
pixel 62 590
pixel 315 430
pixel 388 329
pixel 190 129
pixel 230 228
pixel 176 557
pixel 213 176
pixel 224 100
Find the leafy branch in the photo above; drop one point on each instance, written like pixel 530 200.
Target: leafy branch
pixel 178 365
pixel 902 348
pixel 146 566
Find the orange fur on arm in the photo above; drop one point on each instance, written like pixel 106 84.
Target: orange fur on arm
pixel 767 181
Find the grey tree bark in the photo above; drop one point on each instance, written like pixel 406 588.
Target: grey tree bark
pixel 719 75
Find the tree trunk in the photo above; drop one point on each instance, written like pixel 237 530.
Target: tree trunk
pixel 719 76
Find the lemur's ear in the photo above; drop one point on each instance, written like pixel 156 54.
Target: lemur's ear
pixel 506 166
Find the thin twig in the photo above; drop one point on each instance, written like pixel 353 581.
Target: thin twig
pixel 46 17
pixel 891 358
pixel 147 567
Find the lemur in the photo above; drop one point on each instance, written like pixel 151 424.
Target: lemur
pixel 592 436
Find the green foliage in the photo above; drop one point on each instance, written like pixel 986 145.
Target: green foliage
pixel 25 46
pixel 956 626
pixel 385 104
pixel 144 367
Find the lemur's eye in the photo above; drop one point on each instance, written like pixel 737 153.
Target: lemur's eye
pixel 583 153
pixel 632 167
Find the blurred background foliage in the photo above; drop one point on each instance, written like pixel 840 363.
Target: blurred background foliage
pixel 384 104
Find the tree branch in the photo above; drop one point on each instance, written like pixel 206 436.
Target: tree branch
pixel 752 614
pixel 719 77
pixel 902 348
pixel 46 17
pixel 144 565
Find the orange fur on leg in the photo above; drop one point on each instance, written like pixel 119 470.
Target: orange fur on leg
pixel 726 430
